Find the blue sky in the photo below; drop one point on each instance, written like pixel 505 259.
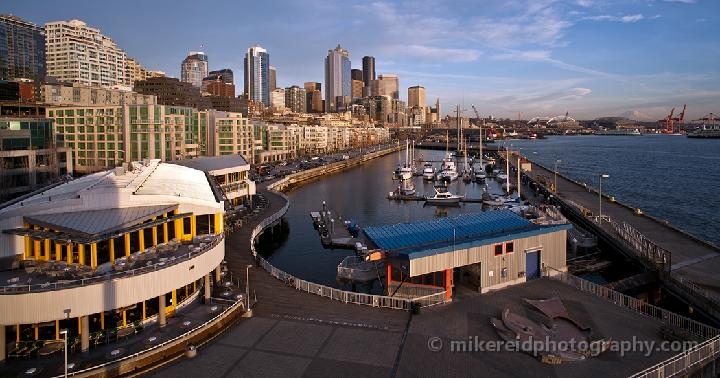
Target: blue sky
pixel 635 58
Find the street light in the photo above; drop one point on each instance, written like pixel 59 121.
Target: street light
pixel 248 311
pixel 602 176
pixel 558 161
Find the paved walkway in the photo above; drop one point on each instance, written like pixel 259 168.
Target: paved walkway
pixel 691 258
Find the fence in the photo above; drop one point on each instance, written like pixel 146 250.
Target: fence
pixel 684 363
pixel 326 291
pixel 667 317
pixel 645 248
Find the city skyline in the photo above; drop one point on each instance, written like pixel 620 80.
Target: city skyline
pixel 513 58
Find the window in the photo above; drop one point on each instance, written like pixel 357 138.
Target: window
pixel 498 249
pixel 509 247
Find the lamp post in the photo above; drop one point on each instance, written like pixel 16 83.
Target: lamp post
pixel 602 176
pixel 557 161
pixel 248 311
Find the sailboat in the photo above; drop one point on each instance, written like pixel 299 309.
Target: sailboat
pixel 405 175
pixel 448 170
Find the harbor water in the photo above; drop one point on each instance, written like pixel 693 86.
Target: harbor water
pixel 669 177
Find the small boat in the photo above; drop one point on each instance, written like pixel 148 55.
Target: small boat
pixel 443 197
pixel 352 228
pixel 501 176
pixel 428 171
pixel 480 174
pixel 356 268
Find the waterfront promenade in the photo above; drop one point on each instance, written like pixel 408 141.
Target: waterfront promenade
pixel 690 259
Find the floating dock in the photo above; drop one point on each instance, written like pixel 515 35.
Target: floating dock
pixel 333 233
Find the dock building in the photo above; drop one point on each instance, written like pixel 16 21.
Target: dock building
pixel 107 253
pixel 489 250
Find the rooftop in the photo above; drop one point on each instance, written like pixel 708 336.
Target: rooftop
pixel 213 163
pixel 485 227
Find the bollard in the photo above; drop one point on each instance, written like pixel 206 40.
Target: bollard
pixel 191 351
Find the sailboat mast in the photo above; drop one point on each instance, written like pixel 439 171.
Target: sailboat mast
pixel 507 169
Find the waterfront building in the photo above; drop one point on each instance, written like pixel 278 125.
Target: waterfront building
pixel 295 99
pixel 338 90
pixel 368 70
pixel 77 53
pixel 338 139
pixel 108 253
pixel 137 72
pixel 388 85
pixel 75 94
pixel 230 174
pixel 22 49
pixel 32 155
pixel 279 142
pixel 493 249
pixel 227 133
pixel 194 68
pixel 257 75
pixel 416 96
pixel 313 93
pixel 314 139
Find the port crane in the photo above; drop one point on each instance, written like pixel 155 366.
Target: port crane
pixel 670 124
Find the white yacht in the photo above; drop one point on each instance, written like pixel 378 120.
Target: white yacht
pixel 428 171
pixel 448 170
pixel 442 197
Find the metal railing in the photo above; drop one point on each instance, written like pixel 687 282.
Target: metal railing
pixel 180 338
pixel 326 291
pixel 67 284
pixel 645 248
pixel 620 299
pixel 413 291
pixel 684 363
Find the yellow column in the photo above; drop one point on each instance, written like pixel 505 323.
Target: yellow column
pixel 186 291
pixel 143 311
pixel 219 226
pixel 69 253
pixel 93 255
pixel 141 239
pixel 127 244
pixel 165 233
pixel 28 245
pixel 36 246
pixel 57 329
pixel 81 254
pixel 46 249
pixel 58 251
pixel 124 314
pixel 154 236
pixel 111 248
pixel 102 320
pixel 174 299
pixel 17 333
pixel 178 223
pixel 80 331
pixel 37 333
pixel 193 226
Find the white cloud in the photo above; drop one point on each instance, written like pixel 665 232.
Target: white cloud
pixel 681 1
pixel 625 19
pixel 532 56
pixel 632 18
pixel 438 53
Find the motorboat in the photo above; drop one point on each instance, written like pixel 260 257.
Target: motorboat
pixel 443 197
pixel 501 176
pixel 479 173
pixel 428 171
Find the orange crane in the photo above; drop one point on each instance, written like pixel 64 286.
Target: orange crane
pixel 670 124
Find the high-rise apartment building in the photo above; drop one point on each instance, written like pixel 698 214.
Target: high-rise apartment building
pixel 416 96
pixel 225 75
pixel 219 83
pixel 338 87
pixel 277 98
pixel 77 53
pixel 194 68
pixel 357 89
pixel 295 98
pixel 388 85
pixel 22 49
pixel 257 75
pixel 313 97
pixel 356 74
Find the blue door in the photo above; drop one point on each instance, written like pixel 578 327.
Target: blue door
pixel 532 265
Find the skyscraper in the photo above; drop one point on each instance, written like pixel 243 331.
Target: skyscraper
pixel 368 69
pixel 313 97
pixel 225 75
pixel 388 85
pixel 22 49
pixel 257 75
pixel 295 99
pixel 338 89
pixel 416 96
pixel 77 53
pixel 356 74
pixel 194 68
pixel 273 78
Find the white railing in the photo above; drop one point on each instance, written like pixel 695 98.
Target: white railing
pixel 413 291
pixel 684 363
pixel 620 299
pixel 326 291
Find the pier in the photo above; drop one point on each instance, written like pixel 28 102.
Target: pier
pixel 685 265
pixel 332 235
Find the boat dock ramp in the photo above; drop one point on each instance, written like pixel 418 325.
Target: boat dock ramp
pixel 333 232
